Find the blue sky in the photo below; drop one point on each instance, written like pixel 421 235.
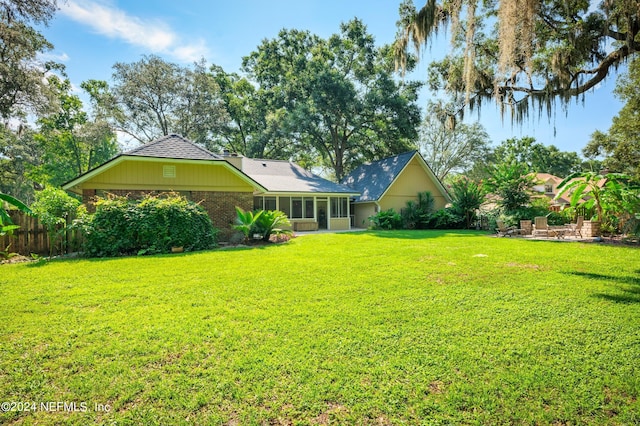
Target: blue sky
pixel 91 35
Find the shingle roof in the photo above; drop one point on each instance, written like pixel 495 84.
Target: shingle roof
pixel 284 176
pixel 173 146
pixel 371 180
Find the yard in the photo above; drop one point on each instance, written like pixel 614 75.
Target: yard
pixel 357 328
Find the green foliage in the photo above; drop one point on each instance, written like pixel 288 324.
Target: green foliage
pixel 621 145
pixel 22 88
pixel 512 184
pixel 69 140
pixel 272 222
pixel 246 221
pixel 449 148
pixel 152 98
pixel 466 198
pixel 447 218
pixel 336 97
pixel 415 215
pixel 262 222
pixel 526 56
pixel 387 220
pixel 154 224
pixel 55 210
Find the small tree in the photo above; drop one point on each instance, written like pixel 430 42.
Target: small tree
pixel 54 207
pixel 512 183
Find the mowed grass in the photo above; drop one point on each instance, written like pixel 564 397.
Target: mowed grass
pixel 358 328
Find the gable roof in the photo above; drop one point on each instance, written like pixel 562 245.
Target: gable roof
pixel 372 180
pixel 285 176
pixel 170 147
pixel 173 146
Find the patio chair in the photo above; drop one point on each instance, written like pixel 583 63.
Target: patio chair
pixel 505 231
pixel 576 228
pixel 541 227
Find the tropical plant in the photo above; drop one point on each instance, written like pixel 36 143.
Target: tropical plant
pixel 6 224
pixel 613 199
pixel 416 212
pixel 246 221
pixel 272 222
pixel 467 196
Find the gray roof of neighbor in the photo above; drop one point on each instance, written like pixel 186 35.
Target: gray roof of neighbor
pixel 173 146
pixel 371 180
pixel 285 176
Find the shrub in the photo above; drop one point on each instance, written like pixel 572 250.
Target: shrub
pixel 55 208
pixel 446 219
pixel 388 219
pixel 151 225
pixel 416 213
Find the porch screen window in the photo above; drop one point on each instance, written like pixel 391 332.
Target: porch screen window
pixel 296 208
pixel 269 203
pixel 339 207
pixel 285 205
pixel 308 208
pixel 266 203
pixel 301 207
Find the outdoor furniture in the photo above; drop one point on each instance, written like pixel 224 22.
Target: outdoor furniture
pixel 541 227
pixel 506 231
pixel 575 229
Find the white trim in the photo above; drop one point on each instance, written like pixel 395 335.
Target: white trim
pixel 427 169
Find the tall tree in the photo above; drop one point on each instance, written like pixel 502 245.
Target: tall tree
pixel 621 144
pixel 538 157
pixel 536 52
pixel 23 87
pixel 338 97
pixel 71 143
pixel 255 125
pixel 447 148
pixel 152 98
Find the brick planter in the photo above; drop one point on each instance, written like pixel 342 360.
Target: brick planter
pixel 526 226
pixel 590 229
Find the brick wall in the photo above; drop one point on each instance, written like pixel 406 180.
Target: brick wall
pixel 221 206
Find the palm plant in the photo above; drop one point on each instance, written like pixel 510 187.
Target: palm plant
pixel 6 224
pixel 272 222
pixel 467 197
pixel 246 221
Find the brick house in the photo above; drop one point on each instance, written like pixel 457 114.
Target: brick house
pixel 219 183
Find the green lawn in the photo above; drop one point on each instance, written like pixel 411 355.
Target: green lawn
pixel 357 328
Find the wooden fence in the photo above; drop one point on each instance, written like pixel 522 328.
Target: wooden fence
pixel 32 237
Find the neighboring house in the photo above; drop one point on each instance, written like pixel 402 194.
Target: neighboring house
pixel 547 185
pixel 219 183
pixel 390 183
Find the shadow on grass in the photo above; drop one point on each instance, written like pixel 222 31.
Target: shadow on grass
pixel 420 234
pixel 629 286
pixel 44 262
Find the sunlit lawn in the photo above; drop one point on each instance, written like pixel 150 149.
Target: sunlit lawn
pixel 357 328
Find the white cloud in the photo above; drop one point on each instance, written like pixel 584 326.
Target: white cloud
pixel 151 34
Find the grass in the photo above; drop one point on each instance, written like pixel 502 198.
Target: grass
pixel 360 328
